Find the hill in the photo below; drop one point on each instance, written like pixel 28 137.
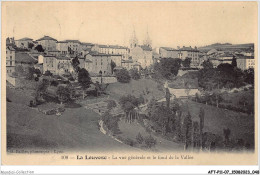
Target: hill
pixel 227 46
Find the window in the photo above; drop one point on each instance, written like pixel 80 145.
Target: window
pixel 10 57
pixel 10 63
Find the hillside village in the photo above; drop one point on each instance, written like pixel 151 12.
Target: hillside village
pixel 138 97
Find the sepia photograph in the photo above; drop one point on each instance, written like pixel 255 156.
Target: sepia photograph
pixel 119 82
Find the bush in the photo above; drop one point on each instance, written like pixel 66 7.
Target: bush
pixel 134 74
pixel 235 91
pixel 48 73
pixel 149 141
pixel 111 122
pixel 129 142
pixel 245 89
pixel 123 76
pixel 139 138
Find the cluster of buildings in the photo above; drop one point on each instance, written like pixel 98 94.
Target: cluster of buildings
pixel 56 56
pixel 244 59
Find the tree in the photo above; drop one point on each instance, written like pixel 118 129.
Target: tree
pixel 249 76
pixel 134 74
pixel 30 45
pixel 111 104
pixel 226 133
pixel 234 62
pixel 168 67
pixel 207 64
pixel 186 62
pixel 139 138
pixel 30 74
pixel 201 116
pixel 63 93
pixel 149 141
pixel 187 128
pixel 113 65
pixel 39 48
pixel 75 64
pixel 128 104
pixel 84 80
pixel 216 96
pixel 167 97
pixel 123 76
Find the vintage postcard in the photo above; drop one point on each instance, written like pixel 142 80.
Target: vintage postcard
pixel 129 83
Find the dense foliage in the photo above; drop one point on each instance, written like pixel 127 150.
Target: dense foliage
pixel 167 67
pixel 123 76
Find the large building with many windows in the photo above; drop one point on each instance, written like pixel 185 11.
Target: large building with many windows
pixel 10 60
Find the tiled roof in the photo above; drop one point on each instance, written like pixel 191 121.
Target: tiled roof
pixel 188 49
pixel 25 39
pixel 46 38
pixel 112 46
pixel 95 53
pixel 73 41
pixel 21 57
pixel 169 49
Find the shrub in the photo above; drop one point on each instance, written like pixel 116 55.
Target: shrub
pixel 235 91
pixel 111 122
pixel 48 73
pixel 245 89
pixel 129 141
pixel 149 141
pixel 139 138
pixel 123 76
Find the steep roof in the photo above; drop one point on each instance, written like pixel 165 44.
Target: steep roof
pixel 22 57
pixel 25 39
pixel 46 38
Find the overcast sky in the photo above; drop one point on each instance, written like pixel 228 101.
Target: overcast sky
pixel 169 24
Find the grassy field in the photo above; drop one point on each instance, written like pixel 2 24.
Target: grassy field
pixel 75 130
pixel 131 130
pixel 216 119
pixel 147 87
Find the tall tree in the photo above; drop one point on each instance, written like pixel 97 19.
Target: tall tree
pixel 186 62
pixel 75 64
pixel 63 93
pixel 234 61
pixel 84 80
pixel 167 97
pixel 201 116
pixel 113 65
pixel 39 48
pixel 187 127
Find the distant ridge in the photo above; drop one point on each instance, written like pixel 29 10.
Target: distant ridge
pixel 226 46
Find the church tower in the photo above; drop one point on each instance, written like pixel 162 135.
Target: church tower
pixel 133 40
pixel 147 40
